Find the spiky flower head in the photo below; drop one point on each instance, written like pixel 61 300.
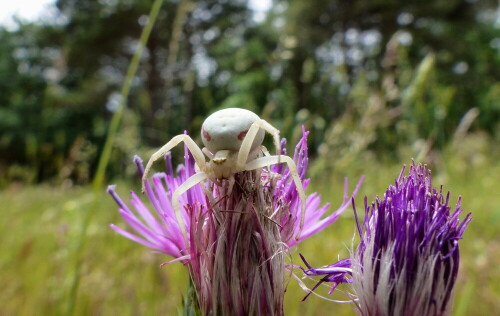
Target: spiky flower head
pixel 238 235
pixel 408 257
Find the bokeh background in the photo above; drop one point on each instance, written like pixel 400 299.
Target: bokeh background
pixel 86 84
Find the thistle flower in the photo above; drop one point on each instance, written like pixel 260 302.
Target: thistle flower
pixel 237 238
pixel 408 257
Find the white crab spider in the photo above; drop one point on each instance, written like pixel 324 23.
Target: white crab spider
pixel 233 139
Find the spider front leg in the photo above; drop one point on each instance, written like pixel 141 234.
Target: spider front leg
pixel 191 145
pixel 246 145
pixel 273 160
pixel 176 205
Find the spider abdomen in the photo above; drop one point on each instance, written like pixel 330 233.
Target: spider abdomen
pixel 226 129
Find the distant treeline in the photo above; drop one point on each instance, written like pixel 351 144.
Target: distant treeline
pixel 360 75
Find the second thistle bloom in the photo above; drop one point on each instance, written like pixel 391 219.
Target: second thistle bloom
pixel 408 257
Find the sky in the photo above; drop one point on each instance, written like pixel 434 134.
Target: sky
pixel 25 9
pixel 260 8
pixel 31 9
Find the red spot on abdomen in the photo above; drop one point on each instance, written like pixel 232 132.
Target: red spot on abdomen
pixel 242 135
pixel 206 135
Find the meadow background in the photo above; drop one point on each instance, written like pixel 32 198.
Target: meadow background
pixel 377 83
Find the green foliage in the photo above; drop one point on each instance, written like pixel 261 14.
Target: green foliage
pixel 190 304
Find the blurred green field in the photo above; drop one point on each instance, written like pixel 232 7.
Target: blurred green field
pixel 40 226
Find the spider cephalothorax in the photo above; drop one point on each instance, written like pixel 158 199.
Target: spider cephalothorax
pixel 233 141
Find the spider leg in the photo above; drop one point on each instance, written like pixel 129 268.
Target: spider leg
pixel 246 145
pixel 264 153
pixel 276 135
pixel 189 183
pixel 273 160
pixel 264 150
pixel 191 145
pixel 207 153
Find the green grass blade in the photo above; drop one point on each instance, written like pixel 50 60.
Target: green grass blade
pixel 98 181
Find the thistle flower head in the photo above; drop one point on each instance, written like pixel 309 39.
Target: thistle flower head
pixel 238 235
pixel 408 257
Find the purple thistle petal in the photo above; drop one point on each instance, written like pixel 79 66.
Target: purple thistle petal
pixel 134 237
pixel 336 273
pixel 139 227
pixel 145 214
pixel 286 193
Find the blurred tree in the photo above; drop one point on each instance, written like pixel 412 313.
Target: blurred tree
pixel 422 63
pixel 73 71
pixel 347 40
pixel 25 138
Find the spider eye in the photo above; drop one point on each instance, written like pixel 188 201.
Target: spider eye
pixel 205 134
pixel 242 135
